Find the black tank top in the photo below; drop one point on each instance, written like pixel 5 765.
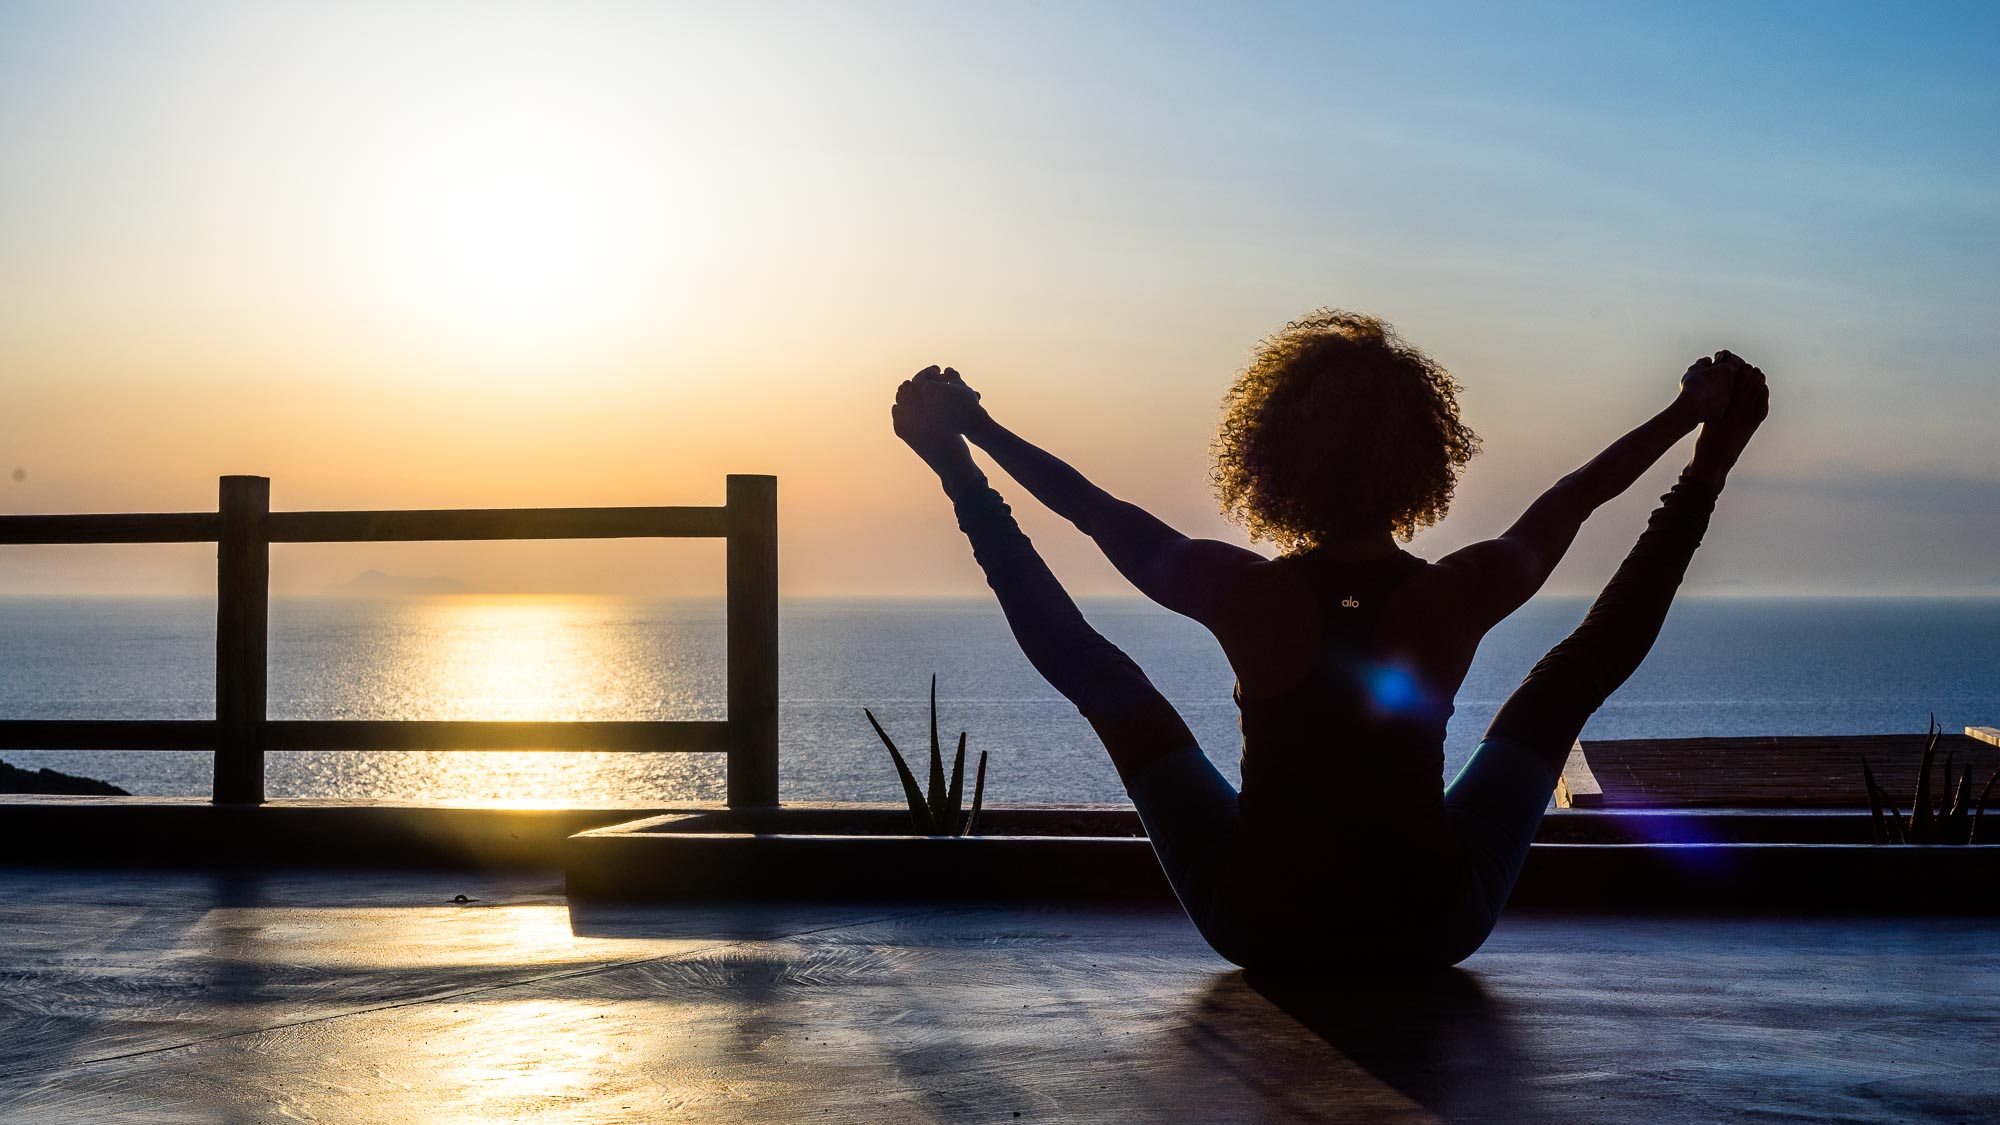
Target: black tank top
pixel 1357 748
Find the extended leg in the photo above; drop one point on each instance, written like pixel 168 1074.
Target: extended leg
pixel 1497 801
pixel 1188 808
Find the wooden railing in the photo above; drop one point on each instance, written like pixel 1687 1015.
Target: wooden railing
pixel 243 530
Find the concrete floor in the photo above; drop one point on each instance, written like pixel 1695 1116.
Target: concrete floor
pixel 165 997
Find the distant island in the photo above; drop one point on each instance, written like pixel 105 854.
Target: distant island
pixel 375 584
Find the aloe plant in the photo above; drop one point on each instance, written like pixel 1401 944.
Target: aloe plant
pixel 938 812
pixel 1951 816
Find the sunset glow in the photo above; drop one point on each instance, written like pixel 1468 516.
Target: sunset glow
pixel 508 255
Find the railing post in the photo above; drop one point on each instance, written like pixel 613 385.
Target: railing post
pixel 753 640
pixel 242 629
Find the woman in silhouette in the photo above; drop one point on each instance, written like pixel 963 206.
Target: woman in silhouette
pixel 1344 850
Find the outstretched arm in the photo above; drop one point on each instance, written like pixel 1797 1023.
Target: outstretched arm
pixel 1492 579
pixel 1189 576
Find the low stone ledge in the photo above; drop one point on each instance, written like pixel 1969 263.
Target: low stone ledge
pixel 1728 858
pixel 1713 859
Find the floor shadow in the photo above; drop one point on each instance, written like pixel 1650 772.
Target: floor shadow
pixel 1439 1040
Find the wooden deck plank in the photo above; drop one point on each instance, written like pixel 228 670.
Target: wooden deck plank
pixel 1984 734
pixel 1776 772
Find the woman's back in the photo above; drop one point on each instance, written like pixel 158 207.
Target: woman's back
pixel 1344 710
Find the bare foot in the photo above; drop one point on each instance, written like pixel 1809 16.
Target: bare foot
pixel 1707 383
pixel 1724 438
pixel 946 393
pixel 923 419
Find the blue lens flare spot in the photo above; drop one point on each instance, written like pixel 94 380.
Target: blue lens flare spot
pixel 1395 690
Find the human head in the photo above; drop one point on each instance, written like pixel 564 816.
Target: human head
pixel 1337 430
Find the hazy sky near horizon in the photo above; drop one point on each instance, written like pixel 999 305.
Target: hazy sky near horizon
pixel 431 255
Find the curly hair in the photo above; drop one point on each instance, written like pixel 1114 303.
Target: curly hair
pixel 1338 428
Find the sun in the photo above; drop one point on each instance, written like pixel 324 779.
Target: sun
pixel 508 235
pixel 511 239
pixel 515 243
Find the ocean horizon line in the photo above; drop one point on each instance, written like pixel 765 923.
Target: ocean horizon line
pixel 969 598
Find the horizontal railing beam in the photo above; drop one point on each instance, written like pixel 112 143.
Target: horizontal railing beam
pixel 496 523
pixel 650 736
pixel 107 734
pixel 378 527
pixel 642 736
pixel 151 527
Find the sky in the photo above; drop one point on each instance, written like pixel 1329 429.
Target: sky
pixel 436 255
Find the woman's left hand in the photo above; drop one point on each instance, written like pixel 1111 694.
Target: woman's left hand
pixel 1706 385
pixel 947 393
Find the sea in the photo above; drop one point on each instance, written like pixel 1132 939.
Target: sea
pixel 1723 666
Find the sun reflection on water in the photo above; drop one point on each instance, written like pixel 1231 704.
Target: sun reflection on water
pixel 519 658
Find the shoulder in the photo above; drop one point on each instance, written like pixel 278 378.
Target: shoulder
pixel 1482 564
pixel 1261 582
pixel 1261 593
pixel 1465 593
pixel 1199 577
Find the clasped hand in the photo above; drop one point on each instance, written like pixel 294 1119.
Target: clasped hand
pixel 935 409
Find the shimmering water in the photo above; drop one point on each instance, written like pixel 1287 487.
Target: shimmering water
pixel 1723 667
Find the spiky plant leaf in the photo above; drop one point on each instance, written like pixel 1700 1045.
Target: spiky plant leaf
pixel 1958 820
pixel 955 794
pixel 1923 823
pixel 1897 834
pixel 1979 810
pixel 1874 803
pixel 937 794
pixel 920 813
pixel 978 797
